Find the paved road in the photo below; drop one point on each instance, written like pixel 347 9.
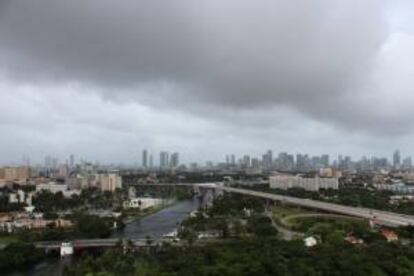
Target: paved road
pixel 89 243
pixel 286 233
pixel 381 217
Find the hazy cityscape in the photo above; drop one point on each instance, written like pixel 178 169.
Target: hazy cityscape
pixel 206 138
pixel 76 207
pixel 269 160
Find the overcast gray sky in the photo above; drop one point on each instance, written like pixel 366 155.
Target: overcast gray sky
pixel 104 79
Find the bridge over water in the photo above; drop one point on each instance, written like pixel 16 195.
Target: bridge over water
pixel 101 243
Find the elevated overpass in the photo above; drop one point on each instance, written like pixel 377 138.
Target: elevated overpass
pixel 99 243
pixel 381 217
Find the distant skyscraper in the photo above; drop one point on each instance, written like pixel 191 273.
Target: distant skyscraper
pixel 267 159
pixel 341 162
pixel 347 162
pixel 48 162
pixel 145 158
pixel 397 159
pixel 325 160
pixel 164 159
pixel 255 163
pixel 407 163
pixel 151 161
pixel 270 156
pixel 246 161
pixel 300 162
pixel 71 161
pixel 233 159
pixel 175 160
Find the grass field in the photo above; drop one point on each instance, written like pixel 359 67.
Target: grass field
pixel 8 239
pixel 286 211
pixel 304 224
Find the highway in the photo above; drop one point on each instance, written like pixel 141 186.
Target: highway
pixel 382 217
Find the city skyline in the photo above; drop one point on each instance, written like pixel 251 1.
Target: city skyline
pixel 268 159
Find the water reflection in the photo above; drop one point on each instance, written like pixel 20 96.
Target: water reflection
pixel 160 223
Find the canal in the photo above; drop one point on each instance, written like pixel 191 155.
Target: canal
pixel 154 226
pixel 158 224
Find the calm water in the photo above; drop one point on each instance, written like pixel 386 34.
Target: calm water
pixel 158 224
pixel 154 225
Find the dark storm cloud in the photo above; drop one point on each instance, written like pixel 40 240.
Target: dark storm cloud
pixel 308 55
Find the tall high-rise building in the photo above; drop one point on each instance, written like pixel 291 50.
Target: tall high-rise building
pixel 348 162
pixel 255 163
pixel 270 157
pixel 407 163
pixel 325 160
pixel 151 161
pixel 300 162
pixel 145 158
pixel 71 161
pixel 267 159
pixel 233 159
pixel 175 160
pixel 397 159
pixel 246 161
pixel 48 162
pixel 164 159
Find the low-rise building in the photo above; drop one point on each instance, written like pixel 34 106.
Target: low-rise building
pixel 352 239
pixel 13 198
pixel 399 188
pixel 21 195
pixel 108 181
pixel 79 181
pixel 284 182
pixel 56 188
pixel 15 174
pixel 397 199
pixel 329 172
pixel 142 203
pixel 389 235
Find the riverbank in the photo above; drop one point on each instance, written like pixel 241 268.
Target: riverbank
pixel 158 223
pixel 133 215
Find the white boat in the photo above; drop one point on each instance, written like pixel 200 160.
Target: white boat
pixel 171 235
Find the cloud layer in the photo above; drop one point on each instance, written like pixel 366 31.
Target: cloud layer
pixel 246 67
